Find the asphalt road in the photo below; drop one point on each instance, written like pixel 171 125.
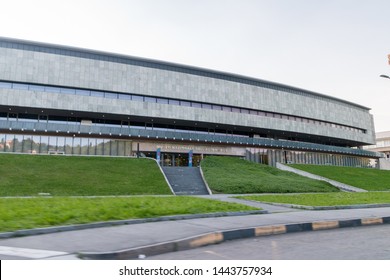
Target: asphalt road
pixel 360 243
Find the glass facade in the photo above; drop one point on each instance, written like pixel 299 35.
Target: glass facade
pixel 296 157
pixel 42 144
pixel 62 145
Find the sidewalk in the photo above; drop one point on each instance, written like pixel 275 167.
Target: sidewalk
pixel 151 238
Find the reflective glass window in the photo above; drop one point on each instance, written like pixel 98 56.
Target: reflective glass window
pixel 226 109
pixel 111 95
pixel 207 106
pixel 5 85
pixel 137 98
pixel 99 122
pixel 42 118
pixel 52 89
pixel 68 91
pixel 84 146
pixel 76 146
pixel 113 148
pixel 125 123
pixel 44 147
pixel 6 145
pixel 217 107
pixel 83 92
pixel 113 123
pixel 68 145
pixel 253 112
pixel 174 102
pixel 244 111
pixel 124 96
pixel 35 144
pixel 52 143
pixel 162 101
pixel 58 119
pixel 196 104
pixel 99 146
pixel 121 148
pixel 20 86
pixel 36 88
pixel 97 93
pixel 17 143
pixel 12 116
pixel 3 116
pixel 28 117
pixel 185 103
pixel 61 145
pixel 150 99
pixel 106 147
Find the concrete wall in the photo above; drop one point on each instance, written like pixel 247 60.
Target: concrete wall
pixel 384 164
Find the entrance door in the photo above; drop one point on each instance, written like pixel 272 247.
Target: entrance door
pixel 181 160
pixel 176 159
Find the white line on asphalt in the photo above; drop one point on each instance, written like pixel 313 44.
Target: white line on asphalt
pixel 29 253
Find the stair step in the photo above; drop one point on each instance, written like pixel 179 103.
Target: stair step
pixel 185 180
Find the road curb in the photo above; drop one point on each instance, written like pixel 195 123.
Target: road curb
pixel 222 236
pixel 336 207
pixel 37 231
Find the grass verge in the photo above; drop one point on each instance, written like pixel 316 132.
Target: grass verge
pixel 366 178
pixel 27 213
pixel 235 175
pixel 324 199
pixel 29 175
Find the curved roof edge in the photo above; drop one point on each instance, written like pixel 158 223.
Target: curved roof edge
pixel 175 65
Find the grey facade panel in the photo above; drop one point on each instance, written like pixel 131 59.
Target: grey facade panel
pixel 23 98
pixel 49 68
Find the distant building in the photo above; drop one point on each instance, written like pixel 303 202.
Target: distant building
pixel 382 146
pixel 65 100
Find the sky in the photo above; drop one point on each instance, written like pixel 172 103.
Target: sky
pixel 333 47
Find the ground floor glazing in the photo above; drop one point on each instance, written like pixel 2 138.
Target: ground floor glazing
pixel 168 154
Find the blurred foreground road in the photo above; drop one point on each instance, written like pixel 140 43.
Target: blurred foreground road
pixel 360 243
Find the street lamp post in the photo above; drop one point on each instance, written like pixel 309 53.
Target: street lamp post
pixel 384 76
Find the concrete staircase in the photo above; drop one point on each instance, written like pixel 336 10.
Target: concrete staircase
pixel 185 180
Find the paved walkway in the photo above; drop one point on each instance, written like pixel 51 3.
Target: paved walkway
pixel 131 241
pixel 268 207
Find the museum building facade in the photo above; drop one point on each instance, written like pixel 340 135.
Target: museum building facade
pixel 65 100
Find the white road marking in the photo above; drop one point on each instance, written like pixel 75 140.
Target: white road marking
pixel 29 253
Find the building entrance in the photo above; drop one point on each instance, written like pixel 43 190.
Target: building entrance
pixel 179 159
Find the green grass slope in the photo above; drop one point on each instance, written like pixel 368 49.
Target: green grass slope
pixel 25 213
pixel 29 175
pixel 235 175
pixel 325 199
pixel 365 178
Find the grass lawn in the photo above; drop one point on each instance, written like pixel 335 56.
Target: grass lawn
pixel 366 178
pixel 325 199
pixel 26 213
pixel 235 175
pixel 29 175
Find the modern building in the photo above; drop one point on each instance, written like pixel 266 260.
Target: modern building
pixel 65 100
pixel 382 146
